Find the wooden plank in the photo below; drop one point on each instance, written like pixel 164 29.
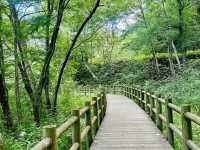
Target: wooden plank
pixel 127 127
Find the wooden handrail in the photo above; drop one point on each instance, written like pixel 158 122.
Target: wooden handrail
pixel 43 144
pixel 83 110
pixel 63 127
pixel 93 121
pixel 87 90
pixel 193 117
pixel 152 104
pixel 174 107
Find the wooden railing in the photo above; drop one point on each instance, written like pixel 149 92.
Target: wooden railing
pixel 94 112
pixel 161 111
pixel 87 90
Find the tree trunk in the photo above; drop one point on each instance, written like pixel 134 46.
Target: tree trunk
pixel 156 64
pixel 69 51
pixel 21 64
pixel 50 52
pixel 176 55
pixel 171 64
pixel 17 92
pixel 181 28
pixel 3 90
pixel 47 83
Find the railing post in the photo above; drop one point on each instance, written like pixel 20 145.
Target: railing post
pixel 140 93
pixel 122 89
pixel 125 91
pixel 89 122
pixel 186 126
pixel 1 142
pixel 96 114
pixel 50 132
pixel 136 95
pixel 100 107
pixel 136 100
pixel 76 128
pixel 104 102
pixel 158 112
pixel 151 106
pixel 132 93
pixel 169 119
pixel 141 98
pixel 146 101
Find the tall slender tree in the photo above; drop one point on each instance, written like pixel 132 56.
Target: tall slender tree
pixel 3 88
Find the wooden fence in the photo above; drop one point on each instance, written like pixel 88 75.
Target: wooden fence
pixel 87 90
pixel 94 112
pixel 161 111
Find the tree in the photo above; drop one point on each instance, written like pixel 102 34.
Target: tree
pixel 3 89
pixel 69 51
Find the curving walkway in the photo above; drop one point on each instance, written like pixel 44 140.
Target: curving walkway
pixel 127 127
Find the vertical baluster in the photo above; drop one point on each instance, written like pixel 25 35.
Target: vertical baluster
pixel 129 92
pixel 89 123
pixel 98 110
pixel 102 105
pixel 104 101
pixel 96 114
pixel 147 102
pixel 186 126
pixel 145 99
pixel 142 99
pixel 140 95
pixel 158 112
pixel 151 106
pixel 169 118
pixel 50 132
pixel 125 90
pixel 76 128
pixel 136 95
pixel 132 93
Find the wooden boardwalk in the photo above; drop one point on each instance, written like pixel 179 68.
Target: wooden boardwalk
pixel 127 127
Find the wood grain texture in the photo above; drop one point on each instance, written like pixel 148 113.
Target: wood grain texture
pixel 127 127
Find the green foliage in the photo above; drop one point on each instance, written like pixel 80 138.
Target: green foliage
pixel 27 134
pixel 184 88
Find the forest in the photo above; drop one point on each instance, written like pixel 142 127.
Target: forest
pixel 50 49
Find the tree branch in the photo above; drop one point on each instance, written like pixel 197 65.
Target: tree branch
pixel 68 54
